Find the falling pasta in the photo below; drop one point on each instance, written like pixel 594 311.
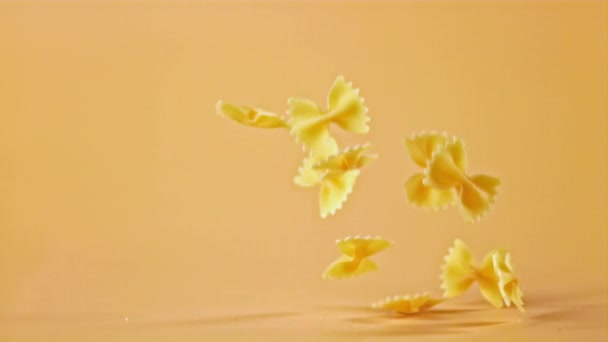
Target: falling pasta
pixel 447 169
pixel 249 116
pixel 334 171
pixel 508 283
pixel 444 180
pixel 496 278
pixel 310 123
pixel 354 260
pixel 421 148
pixel 335 175
pixel 407 304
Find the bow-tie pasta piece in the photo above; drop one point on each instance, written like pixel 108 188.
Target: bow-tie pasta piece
pixel 354 260
pixel 308 175
pixel 448 166
pixel 313 170
pixel 507 280
pixel 497 281
pixel 310 123
pixel 447 170
pixel 339 173
pixel 428 197
pixel 351 158
pixel 458 271
pixel 335 190
pixel 407 304
pixel 488 281
pixel 249 116
pixel 420 147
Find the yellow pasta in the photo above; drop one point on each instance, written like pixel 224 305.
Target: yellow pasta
pixel 447 170
pixel 497 281
pixel 444 180
pixel 354 260
pixel 250 116
pixel 308 174
pixel 336 176
pixel 420 147
pixel 310 123
pixel 407 304
pixel 333 171
pixel 458 271
pixel 428 197
pixel 489 282
pixel 335 190
pixel 508 283
pixel 351 158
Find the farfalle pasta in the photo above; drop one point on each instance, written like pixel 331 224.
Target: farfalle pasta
pixel 420 148
pixel 355 259
pixel 496 278
pixel 307 175
pixel 335 175
pixel 352 157
pixel 444 180
pixel 249 116
pixel 459 270
pixel 447 169
pixel 407 304
pixel 508 283
pixel 310 123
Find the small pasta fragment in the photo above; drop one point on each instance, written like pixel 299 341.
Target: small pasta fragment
pixel 354 260
pixel 249 116
pixel 407 304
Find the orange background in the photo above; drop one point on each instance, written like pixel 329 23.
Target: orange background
pixel 122 193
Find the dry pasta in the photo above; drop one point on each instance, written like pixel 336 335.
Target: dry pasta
pixel 354 260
